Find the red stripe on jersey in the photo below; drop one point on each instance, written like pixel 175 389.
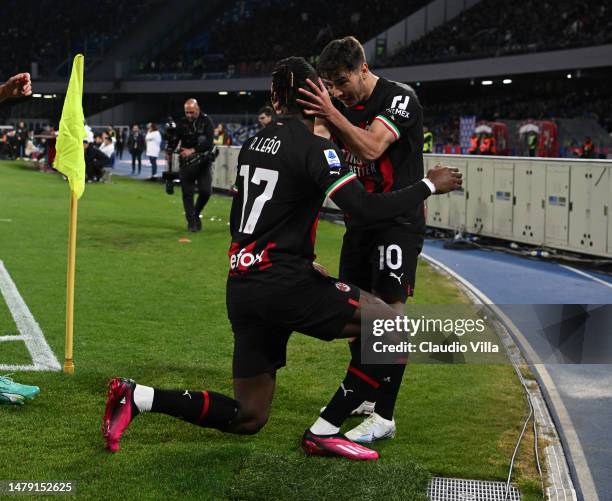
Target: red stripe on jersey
pixel 313 230
pixel 360 107
pixel 204 407
pixel 364 377
pixel 386 169
pixel 337 187
pixel 389 128
pixel 368 183
pixel 353 302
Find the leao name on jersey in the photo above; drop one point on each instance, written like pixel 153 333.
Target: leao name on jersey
pixel 269 145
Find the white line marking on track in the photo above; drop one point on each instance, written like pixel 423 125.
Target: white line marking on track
pixel 585 479
pixel 584 274
pixel 43 357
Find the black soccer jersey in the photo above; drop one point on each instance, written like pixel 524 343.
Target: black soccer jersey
pixel 284 174
pixel 397 107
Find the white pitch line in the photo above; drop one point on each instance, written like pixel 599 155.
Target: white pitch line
pixel 11 338
pixel 19 368
pixel 585 479
pixel 43 357
pixel 591 277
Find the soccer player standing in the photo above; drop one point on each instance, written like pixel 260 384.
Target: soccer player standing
pixel 284 174
pixel 380 131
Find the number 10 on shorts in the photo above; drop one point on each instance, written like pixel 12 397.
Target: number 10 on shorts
pixel 392 255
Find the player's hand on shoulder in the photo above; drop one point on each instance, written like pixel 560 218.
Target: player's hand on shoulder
pixel 445 179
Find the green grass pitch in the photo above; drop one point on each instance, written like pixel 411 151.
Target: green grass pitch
pixel 153 309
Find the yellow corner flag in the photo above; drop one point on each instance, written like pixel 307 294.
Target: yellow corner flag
pixel 70 156
pixel 70 161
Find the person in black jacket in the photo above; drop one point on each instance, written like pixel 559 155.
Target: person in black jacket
pixel 22 137
pixel 95 161
pixel 194 138
pixel 120 142
pixel 136 145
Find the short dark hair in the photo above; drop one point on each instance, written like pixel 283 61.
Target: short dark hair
pixel 341 54
pixel 288 76
pixel 266 110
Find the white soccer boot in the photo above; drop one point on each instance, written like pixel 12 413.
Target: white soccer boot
pixel 373 428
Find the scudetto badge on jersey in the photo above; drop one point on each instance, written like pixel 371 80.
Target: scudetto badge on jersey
pixel 341 286
pixel 332 159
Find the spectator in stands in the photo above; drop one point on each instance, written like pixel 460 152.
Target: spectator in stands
pixel 474 144
pixel 532 143
pixel 108 149
pixel 153 140
pixel 221 135
pixel 265 116
pixel 136 146
pixel 95 161
pixel 427 140
pixel 588 150
pixel 21 136
pixel 31 150
pixel 487 145
pixel 5 152
pixel 12 144
pixel 120 143
pixel 19 85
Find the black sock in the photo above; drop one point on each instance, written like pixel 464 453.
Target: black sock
pixel 203 408
pixel 368 381
pixel 387 395
pixel 356 387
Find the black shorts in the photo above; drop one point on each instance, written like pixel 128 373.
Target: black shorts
pixel 382 261
pixel 263 316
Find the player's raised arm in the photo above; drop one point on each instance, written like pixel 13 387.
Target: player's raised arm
pixel 368 144
pixel 329 172
pixel 355 201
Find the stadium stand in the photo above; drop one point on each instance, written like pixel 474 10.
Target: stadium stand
pixel 497 28
pixel 244 37
pixel 538 99
pixel 250 35
pixel 49 31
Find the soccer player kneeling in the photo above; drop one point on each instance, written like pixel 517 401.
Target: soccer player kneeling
pixel 284 174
